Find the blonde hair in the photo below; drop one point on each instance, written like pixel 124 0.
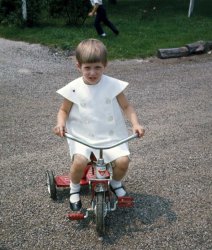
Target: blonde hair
pixel 91 51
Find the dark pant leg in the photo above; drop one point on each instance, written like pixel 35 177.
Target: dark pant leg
pixel 106 21
pixel 97 23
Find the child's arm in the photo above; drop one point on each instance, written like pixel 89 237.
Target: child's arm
pixel 93 11
pixel 62 116
pixel 130 114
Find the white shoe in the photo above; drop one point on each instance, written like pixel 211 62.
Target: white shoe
pixel 103 35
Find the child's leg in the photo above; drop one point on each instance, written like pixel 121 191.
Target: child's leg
pixel 77 168
pixel 119 171
pixel 76 173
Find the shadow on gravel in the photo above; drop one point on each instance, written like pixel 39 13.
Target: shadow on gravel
pixel 148 214
pixel 153 207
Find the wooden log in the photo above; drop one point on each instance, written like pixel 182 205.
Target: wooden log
pixel 189 49
pixel 173 52
pixel 197 47
pixel 209 45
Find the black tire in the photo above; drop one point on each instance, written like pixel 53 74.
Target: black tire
pixel 51 184
pixel 100 213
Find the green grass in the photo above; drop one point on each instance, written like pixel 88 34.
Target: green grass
pixel 143 29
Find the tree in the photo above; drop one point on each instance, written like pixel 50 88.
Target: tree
pixel 76 11
pixel 20 11
pixel 113 1
pixel 24 10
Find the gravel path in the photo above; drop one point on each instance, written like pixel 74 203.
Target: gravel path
pixel 170 173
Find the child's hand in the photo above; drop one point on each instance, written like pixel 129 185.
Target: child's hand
pixel 91 14
pixel 138 129
pixel 59 130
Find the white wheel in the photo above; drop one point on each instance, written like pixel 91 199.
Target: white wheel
pixel 51 184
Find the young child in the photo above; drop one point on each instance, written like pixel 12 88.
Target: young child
pixel 100 14
pixel 92 111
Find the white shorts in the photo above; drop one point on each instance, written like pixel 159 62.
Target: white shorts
pixel 109 155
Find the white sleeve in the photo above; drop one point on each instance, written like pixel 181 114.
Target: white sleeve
pixel 69 91
pixel 97 2
pixel 114 86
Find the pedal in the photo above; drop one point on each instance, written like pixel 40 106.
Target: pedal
pixel 76 216
pixel 125 201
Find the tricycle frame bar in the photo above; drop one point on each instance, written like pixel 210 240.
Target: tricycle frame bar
pixel 101 147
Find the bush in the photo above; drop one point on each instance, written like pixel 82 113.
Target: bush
pixel 11 12
pixel 34 8
pixel 113 1
pixel 76 11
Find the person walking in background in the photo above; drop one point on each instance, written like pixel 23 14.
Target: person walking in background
pixel 101 16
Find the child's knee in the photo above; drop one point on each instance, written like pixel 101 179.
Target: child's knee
pixel 79 161
pixel 122 163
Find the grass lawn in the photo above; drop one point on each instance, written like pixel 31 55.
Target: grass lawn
pixel 145 26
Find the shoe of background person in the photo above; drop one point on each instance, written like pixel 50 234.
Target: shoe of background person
pixel 103 35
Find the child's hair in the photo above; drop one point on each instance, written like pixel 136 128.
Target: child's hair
pixel 91 51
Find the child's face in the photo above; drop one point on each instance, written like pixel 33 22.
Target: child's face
pixel 91 72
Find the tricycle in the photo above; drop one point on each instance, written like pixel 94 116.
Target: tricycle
pixel 97 176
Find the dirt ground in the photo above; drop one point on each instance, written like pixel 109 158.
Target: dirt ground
pixel 170 172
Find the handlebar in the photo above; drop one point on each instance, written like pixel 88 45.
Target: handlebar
pixel 101 147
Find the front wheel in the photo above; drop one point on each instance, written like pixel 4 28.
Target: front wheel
pixel 100 213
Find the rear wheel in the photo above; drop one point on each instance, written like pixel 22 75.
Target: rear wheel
pixel 51 184
pixel 100 213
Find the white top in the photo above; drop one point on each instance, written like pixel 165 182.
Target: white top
pixel 93 2
pixel 96 116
